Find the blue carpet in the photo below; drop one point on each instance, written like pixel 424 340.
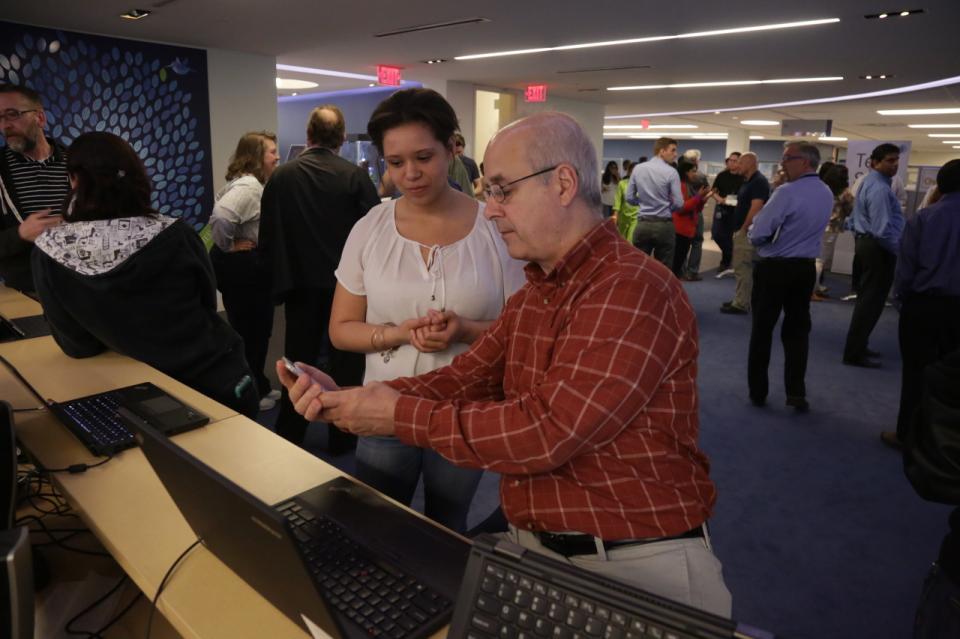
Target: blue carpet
pixel 819 532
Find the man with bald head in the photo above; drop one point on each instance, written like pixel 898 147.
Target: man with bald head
pixel 753 194
pixel 582 394
pixel 307 210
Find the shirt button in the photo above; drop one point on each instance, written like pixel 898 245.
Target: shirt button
pixel 516 483
pixel 546 300
pixel 530 526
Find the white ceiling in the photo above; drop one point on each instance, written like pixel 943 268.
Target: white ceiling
pixel 338 34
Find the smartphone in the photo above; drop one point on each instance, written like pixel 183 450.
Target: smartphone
pixel 293 368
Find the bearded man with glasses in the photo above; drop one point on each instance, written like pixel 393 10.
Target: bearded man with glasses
pixel 33 182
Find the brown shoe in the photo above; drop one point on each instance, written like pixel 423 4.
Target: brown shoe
pixel 890 438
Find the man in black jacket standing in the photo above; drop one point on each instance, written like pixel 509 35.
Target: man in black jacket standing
pixel 309 206
pixel 33 182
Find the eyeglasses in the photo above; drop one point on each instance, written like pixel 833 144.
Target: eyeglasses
pixel 787 158
pixel 498 192
pixel 13 115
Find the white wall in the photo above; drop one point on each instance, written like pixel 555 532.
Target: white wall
pixel 588 114
pixel 928 158
pixel 243 97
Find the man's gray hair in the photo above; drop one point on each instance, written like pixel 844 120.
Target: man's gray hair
pixel 693 155
pixel 807 151
pixel 562 140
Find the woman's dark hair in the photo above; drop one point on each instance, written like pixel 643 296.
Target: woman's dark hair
pixel 683 168
pixel 248 158
pixel 837 177
pixel 824 167
pixel 425 106
pixel 948 177
pixel 608 175
pixel 111 180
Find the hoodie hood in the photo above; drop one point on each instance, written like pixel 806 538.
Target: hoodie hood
pixel 99 246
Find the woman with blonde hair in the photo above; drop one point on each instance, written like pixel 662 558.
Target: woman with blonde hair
pixel 242 278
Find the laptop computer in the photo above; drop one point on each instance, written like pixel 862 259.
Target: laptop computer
pixel 100 421
pixel 23 328
pixel 338 556
pixel 510 592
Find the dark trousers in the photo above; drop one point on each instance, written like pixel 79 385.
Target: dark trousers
pixel 681 246
pixel 655 236
pixel 929 330
pixel 307 314
pixel 780 285
pixel 722 232
pixel 876 269
pixel 245 287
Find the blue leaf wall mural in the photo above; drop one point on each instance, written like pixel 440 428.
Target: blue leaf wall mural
pixel 154 96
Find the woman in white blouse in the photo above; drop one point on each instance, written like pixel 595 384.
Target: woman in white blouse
pixel 243 281
pixel 421 277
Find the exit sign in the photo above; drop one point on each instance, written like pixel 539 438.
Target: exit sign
pixel 388 75
pixel 535 93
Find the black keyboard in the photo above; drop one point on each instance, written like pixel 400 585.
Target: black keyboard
pixel 95 422
pixel 381 599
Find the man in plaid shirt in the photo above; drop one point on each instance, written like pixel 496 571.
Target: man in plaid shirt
pixel 582 394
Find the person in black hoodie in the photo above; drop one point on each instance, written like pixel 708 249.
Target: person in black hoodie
pixel 117 275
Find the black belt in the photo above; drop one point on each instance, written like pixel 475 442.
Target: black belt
pixel 653 218
pixel 810 260
pixel 570 545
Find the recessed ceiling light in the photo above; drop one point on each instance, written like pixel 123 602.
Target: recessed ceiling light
pixel 372 84
pixel 135 14
pixel 951 141
pixel 756 137
pixel 873 76
pixel 832 138
pixel 941 135
pixel 290 83
pixel 716 113
pixel 934 126
pixel 943 111
pixel 902 13
pixel 760 122
pixel 957 147
pixel 729 83
pixel 660 38
pixel 650 126
pixel 294 93
pixel 435 61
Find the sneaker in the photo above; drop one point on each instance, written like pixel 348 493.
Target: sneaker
pixel 274 395
pixel 266 403
pixel 799 404
pixel 692 277
pixel 724 273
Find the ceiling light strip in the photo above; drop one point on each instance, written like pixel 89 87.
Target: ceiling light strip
pixel 651 126
pixel 934 126
pixel 933 84
pixel 731 83
pixel 938 111
pixel 679 36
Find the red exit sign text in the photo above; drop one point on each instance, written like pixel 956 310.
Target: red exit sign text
pixel 535 93
pixel 388 75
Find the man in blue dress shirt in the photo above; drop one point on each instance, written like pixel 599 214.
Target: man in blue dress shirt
pixel 877 222
pixel 787 233
pixel 928 284
pixel 655 188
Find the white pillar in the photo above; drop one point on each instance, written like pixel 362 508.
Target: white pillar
pixel 737 140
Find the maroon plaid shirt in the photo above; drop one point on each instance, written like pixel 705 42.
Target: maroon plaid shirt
pixel 582 394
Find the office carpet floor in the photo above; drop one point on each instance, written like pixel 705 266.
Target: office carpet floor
pixel 819 532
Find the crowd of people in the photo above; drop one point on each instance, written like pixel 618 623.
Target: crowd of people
pixel 454 322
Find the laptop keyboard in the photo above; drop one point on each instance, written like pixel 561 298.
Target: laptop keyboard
pixel 511 605
pixel 94 420
pixel 375 595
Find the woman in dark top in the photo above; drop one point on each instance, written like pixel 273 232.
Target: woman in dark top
pixel 119 276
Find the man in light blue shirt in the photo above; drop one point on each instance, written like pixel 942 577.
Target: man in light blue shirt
pixel 655 188
pixel 787 233
pixel 877 222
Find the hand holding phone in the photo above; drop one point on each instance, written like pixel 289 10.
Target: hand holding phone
pixel 293 368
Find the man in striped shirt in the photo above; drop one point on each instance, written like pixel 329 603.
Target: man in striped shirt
pixel 33 182
pixel 582 394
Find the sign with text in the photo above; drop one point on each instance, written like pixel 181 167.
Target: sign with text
pixel 535 93
pixel 388 75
